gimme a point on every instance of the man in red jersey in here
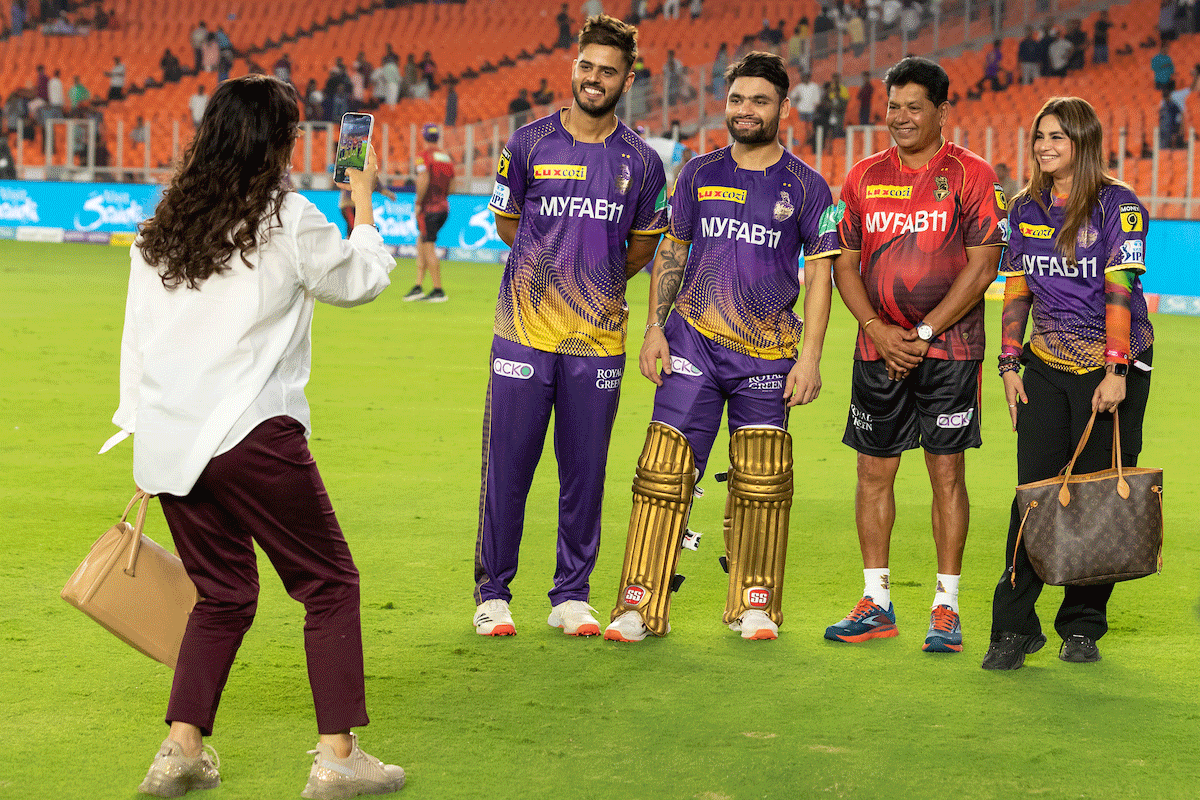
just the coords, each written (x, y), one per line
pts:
(922, 229)
(435, 171)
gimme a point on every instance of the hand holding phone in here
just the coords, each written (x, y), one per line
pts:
(353, 141)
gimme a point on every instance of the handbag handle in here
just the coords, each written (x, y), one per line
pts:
(136, 544)
(1064, 494)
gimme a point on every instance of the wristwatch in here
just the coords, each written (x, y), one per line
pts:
(1119, 368)
(924, 331)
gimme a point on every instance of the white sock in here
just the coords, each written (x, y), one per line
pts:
(947, 591)
(877, 586)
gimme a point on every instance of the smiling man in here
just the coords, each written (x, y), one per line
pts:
(740, 218)
(581, 200)
(921, 235)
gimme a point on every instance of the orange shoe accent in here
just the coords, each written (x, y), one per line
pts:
(615, 636)
(501, 630)
(585, 630)
(763, 633)
(955, 647)
(882, 632)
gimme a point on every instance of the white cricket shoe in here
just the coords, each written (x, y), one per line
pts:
(332, 778)
(755, 624)
(492, 618)
(629, 627)
(575, 618)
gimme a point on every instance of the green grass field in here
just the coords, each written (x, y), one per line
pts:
(397, 396)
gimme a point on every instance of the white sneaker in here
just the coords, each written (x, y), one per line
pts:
(755, 624)
(358, 773)
(172, 774)
(629, 627)
(575, 618)
(492, 618)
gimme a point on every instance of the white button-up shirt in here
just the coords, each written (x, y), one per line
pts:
(201, 368)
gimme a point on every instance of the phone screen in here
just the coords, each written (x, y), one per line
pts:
(353, 141)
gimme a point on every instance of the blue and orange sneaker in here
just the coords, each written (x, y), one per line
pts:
(945, 631)
(868, 620)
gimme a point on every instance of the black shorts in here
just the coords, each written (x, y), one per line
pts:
(430, 224)
(936, 407)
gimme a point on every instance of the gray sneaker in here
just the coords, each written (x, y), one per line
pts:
(358, 773)
(435, 296)
(172, 774)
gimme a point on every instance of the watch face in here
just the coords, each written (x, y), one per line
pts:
(925, 332)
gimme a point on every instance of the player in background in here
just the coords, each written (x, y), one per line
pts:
(346, 203)
(435, 171)
(581, 200)
(671, 150)
(922, 232)
(740, 217)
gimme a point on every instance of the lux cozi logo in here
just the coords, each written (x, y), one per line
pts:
(564, 172)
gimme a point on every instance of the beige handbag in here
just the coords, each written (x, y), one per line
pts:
(134, 588)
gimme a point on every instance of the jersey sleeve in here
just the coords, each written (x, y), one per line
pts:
(650, 217)
(1010, 264)
(1125, 224)
(818, 222)
(683, 206)
(508, 193)
(983, 207)
(849, 227)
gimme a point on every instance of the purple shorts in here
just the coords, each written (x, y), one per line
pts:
(704, 376)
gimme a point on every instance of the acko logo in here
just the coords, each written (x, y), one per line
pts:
(609, 378)
(890, 192)
(512, 369)
(684, 366)
(959, 419)
(758, 597)
(634, 595)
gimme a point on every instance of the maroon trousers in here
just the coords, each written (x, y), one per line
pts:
(266, 490)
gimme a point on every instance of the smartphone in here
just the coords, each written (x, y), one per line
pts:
(353, 141)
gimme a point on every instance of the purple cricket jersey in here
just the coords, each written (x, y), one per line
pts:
(1068, 299)
(563, 289)
(746, 229)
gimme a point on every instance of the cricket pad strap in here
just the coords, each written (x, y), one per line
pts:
(756, 520)
(662, 501)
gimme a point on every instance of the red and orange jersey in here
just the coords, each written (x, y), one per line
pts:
(440, 167)
(913, 229)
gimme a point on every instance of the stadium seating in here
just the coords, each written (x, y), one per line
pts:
(464, 36)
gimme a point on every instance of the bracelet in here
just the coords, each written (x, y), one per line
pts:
(1009, 363)
(653, 325)
(868, 322)
(1116, 355)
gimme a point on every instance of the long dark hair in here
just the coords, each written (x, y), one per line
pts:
(229, 181)
(1081, 125)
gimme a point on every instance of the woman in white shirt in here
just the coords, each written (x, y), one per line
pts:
(214, 359)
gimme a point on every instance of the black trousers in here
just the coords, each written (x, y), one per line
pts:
(1048, 430)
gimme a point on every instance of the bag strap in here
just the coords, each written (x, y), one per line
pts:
(1064, 494)
(1122, 484)
(136, 545)
(1013, 572)
(1162, 525)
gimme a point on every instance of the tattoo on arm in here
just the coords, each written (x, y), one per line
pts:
(674, 259)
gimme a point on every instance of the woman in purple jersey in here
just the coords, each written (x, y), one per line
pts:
(1077, 246)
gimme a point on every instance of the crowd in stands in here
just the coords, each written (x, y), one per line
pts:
(826, 107)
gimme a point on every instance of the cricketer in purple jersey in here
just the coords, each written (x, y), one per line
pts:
(563, 288)
(559, 339)
(738, 335)
(746, 229)
(1068, 312)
